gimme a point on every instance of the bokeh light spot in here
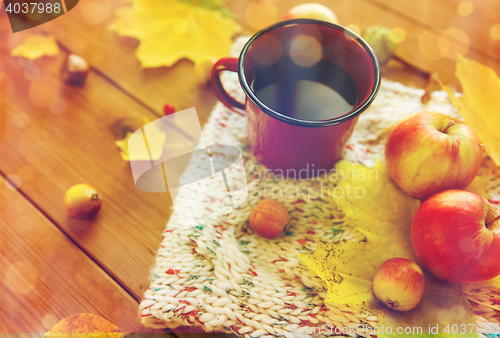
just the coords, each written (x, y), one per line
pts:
(34, 15)
(43, 91)
(48, 321)
(261, 13)
(466, 244)
(14, 40)
(354, 28)
(32, 73)
(465, 8)
(21, 277)
(458, 311)
(14, 181)
(305, 51)
(58, 106)
(21, 120)
(269, 50)
(453, 41)
(95, 12)
(444, 316)
(24, 62)
(397, 34)
(495, 31)
(428, 43)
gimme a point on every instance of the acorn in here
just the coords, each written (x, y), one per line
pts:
(82, 201)
(75, 70)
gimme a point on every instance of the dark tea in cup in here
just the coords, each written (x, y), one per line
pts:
(320, 92)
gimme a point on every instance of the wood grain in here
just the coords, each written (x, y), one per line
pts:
(116, 59)
(52, 152)
(48, 152)
(46, 276)
(443, 15)
(366, 13)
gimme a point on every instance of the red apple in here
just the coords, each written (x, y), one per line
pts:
(399, 284)
(456, 236)
(430, 152)
(311, 11)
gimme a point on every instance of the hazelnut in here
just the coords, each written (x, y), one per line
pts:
(269, 218)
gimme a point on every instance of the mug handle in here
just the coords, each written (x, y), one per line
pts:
(230, 64)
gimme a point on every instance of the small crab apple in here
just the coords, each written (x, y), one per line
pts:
(311, 11)
(269, 218)
(399, 284)
(82, 201)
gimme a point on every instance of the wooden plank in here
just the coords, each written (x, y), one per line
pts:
(51, 152)
(365, 14)
(154, 85)
(46, 277)
(114, 56)
(49, 142)
(444, 15)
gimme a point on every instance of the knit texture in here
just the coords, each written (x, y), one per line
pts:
(220, 276)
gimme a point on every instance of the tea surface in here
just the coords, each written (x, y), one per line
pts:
(320, 92)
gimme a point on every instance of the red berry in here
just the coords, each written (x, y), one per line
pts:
(168, 109)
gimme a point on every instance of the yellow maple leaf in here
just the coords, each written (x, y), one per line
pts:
(480, 103)
(155, 148)
(84, 325)
(383, 215)
(170, 30)
(36, 46)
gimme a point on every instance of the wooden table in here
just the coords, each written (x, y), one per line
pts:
(53, 266)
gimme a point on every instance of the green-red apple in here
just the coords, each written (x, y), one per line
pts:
(311, 11)
(456, 236)
(430, 152)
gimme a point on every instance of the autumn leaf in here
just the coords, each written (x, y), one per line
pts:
(347, 268)
(383, 215)
(444, 307)
(36, 46)
(155, 150)
(84, 325)
(480, 103)
(169, 30)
